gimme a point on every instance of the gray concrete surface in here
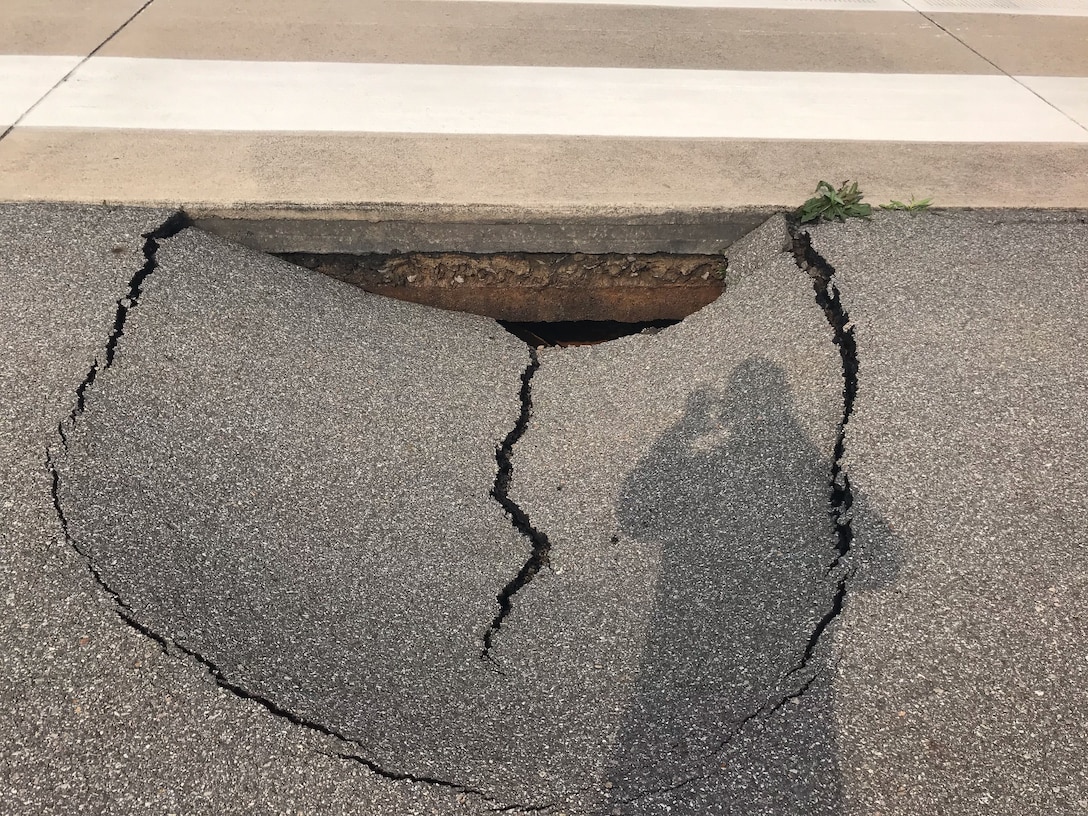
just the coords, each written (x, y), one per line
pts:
(480, 229)
(265, 581)
(233, 170)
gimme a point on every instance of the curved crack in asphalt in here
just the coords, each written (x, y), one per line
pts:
(841, 499)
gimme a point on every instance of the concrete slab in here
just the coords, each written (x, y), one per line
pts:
(25, 80)
(224, 172)
(960, 684)
(518, 33)
(1070, 94)
(42, 27)
(1002, 8)
(639, 103)
(325, 149)
(482, 229)
(1014, 42)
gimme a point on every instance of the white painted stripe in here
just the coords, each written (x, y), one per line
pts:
(1068, 94)
(26, 79)
(114, 92)
(1069, 8)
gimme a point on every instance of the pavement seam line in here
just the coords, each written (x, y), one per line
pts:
(500, 492)
(984, 58)
(78, 65)
(840, 501)
(169, 647)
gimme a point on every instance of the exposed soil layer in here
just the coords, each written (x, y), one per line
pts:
(536, 287)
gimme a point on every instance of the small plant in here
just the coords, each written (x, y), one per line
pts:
(835, 205)
(909, 206)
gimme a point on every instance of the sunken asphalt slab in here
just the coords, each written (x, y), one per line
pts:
(257, 526)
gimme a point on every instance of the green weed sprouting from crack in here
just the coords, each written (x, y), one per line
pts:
(909, 206)
(830, 204)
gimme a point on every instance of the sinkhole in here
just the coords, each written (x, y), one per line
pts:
(544, 298)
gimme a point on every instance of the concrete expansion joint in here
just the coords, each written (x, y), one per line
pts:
(500, 492)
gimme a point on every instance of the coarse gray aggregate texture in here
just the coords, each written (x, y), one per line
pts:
(290, 478)
(961, 686)
(683, 481)
(94, 717)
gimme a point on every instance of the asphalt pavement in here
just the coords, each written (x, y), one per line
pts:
(97, 716)
(961, 685)
(277, 545)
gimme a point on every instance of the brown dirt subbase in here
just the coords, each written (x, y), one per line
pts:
(541, 287)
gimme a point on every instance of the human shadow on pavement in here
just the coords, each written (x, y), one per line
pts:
(736, 497)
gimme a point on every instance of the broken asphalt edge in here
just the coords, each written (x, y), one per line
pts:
(797, 680)
(388, 227)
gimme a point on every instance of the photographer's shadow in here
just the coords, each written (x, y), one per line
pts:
(736, 496)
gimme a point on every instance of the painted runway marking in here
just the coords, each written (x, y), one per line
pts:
(1064, 8)
(1068, 94)
(212, 95)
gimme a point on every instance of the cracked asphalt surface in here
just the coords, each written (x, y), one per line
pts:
(683, 481)
(256, 569)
